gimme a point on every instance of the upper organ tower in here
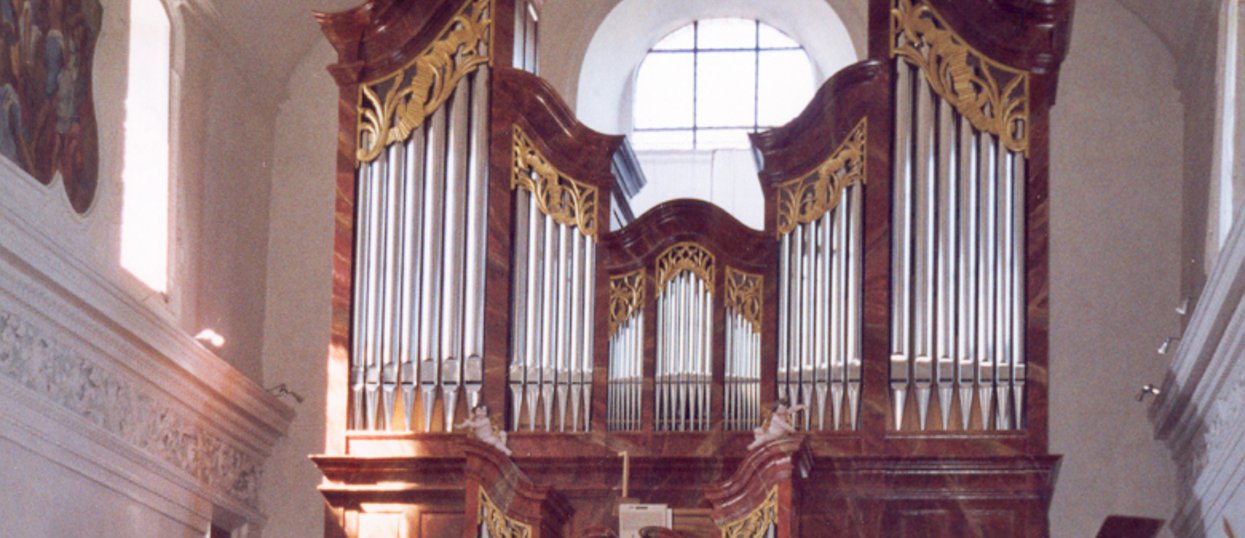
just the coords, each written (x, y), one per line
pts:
(898, 292)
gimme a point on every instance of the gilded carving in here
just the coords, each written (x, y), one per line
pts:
(626, 297)
(743, 295)
(992, 96)
(758, 522)
(498, 525)
(685, 256)
(117, 404)
(415, 91)
(568, 201)
(806, 198)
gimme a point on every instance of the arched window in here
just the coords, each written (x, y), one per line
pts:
(145, 177)
(708, 84)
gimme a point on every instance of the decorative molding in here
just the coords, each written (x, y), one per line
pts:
(1200, 413)
(744, 295)
(806, 198)
(758, 522)
(498, 525)
(568, 201)
(626, 297)
(994, 97)
(124, 408)
(685, 256)
(420, 87)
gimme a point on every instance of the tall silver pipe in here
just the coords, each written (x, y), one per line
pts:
(986, 271)
(948, 184)
(563, 348)
(1002, 362)
(824, 321)
(855, 288)
(706, 358)
(412, 205)
(455, 251)
(536, 266)
(806, 322)
(375, 287)
(1018, 290)
(784, 314)
(548, 301)
(968, 289)
(433, 229)
(901, 242)
(575, 323)
(923, 266)
(519, 332)
(589, 300)
(391, 341)
(358, 360)
(663, 350)
(477, 239)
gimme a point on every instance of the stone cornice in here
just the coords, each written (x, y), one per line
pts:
(72, 338)
(1200, 414)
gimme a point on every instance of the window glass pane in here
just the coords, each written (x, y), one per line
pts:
(661, 140)
(722, 139)
(663, 96)
(785, 84)
(726, 89)
(682, 39)
(770, 37)
(727, 34)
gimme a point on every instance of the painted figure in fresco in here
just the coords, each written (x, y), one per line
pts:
(47, 118)
(482, 428)
(778, 425)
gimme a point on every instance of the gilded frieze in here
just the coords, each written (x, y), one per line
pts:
(806, 198)
(568, 201)
(993, 97)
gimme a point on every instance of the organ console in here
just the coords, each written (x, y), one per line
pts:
(897, 292)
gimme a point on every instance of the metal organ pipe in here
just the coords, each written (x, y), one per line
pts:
(477, 247)
(433, 227)
(901, 243)
(412, 205)
(454, 252)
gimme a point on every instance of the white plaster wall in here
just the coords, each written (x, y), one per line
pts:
(35, 486)
(1115, 200)
(299, 285)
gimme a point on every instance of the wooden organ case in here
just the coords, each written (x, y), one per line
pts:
(898, 292)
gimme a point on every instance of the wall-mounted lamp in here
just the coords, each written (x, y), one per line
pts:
(211, 338)
(1147, 389)
(280, 390)
(1167, 344)
(1183, 307)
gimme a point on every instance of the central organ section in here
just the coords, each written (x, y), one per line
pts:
(895, 297)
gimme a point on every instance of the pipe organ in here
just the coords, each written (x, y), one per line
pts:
(895, 300)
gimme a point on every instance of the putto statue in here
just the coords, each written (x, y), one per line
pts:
(482, 428)
(778, 425)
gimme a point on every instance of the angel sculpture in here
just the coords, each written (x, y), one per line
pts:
(482, 428)
(778, 425)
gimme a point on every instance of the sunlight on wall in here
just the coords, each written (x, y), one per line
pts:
(145, 203)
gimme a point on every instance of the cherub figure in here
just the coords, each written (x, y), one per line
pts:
(482, 428)
(778, 424)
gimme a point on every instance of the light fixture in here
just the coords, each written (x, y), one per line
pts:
(1183, 307)
(211, 338)
(1147, 389)
(1167, 343)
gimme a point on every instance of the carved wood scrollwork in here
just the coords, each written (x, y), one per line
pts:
(806, 198)
(685, 256)
(626, 297)
(567, 200)
(994, 97)
(498, 525)
(743, 295)
(757, 523)
(415, 91)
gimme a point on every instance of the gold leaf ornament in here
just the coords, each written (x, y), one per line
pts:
(994, 97)
(393, 106)
(568, 201)
(806, 198)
